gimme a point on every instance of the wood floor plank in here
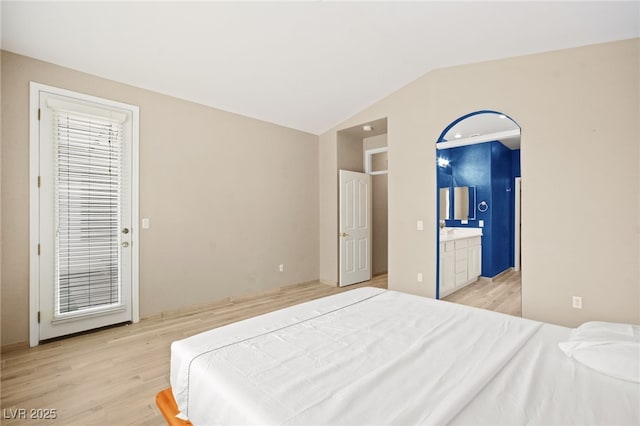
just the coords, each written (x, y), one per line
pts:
(503, 294)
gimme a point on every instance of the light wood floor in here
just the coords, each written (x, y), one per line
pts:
(110, 377)
(503, 294)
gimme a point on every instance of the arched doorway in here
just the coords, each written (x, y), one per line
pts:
(478, 181)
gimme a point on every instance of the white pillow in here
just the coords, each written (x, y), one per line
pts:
(610, 348)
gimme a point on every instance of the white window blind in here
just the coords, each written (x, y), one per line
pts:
(88, 195)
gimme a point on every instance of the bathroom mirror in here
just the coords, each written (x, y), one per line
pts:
(461, 203)
(445, 204)
(464, 202)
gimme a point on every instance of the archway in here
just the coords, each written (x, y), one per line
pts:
(478, 171)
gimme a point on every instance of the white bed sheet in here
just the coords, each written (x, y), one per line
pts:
(367, 356)
(543, 386)
(183, 351)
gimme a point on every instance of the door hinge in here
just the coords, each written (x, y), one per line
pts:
(38, 114)
(39, 181)
(38, 249)
(38, 317)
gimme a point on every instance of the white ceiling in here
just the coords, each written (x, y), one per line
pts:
(482, 126)
(305, 65)
(377, 127)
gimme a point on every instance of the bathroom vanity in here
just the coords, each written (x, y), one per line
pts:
(460, 258)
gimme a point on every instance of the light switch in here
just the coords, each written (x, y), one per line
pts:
(420, 225)
(145, 223)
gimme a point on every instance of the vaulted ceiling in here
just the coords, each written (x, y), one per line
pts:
(304, 65)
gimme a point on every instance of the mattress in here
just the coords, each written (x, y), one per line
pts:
(373, 356)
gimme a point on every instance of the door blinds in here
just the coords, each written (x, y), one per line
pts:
(88, 194)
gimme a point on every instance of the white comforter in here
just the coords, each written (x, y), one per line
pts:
(543, 386)
(367, 356)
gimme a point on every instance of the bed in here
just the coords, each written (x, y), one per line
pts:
(374, 356)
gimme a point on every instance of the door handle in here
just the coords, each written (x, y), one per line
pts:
(125, 244)
(125, 231)
(344, 234)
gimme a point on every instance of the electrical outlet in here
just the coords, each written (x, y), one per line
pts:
(481, 223)
(420, 225)
(145, 223)
(576, 302)
(281, 267)
(419, 277)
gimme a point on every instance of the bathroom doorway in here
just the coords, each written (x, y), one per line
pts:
(478, 239)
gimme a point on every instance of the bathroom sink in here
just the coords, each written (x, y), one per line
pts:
(447, 234)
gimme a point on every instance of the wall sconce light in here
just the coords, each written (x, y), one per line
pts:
(443, 162)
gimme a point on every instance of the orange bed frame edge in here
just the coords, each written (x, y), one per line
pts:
(169, 409)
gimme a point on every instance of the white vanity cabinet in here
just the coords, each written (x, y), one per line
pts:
(447, 267)
(475, 258)
(460, 258)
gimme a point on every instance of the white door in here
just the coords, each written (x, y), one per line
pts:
(86, 213)
(355, 227)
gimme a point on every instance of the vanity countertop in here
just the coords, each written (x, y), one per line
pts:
(451, 234)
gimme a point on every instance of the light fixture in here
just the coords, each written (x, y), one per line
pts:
(367, 127)
(443, 162)
(457, 136)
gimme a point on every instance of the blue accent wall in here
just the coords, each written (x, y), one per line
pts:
(445, 180)
(515, 163)
(500, 209)
(491, 168)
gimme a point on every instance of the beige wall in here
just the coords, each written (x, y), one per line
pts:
(328, 214)
(226, 207)
(350, 156)
(379, 205)
(229, 198)
(578, 109)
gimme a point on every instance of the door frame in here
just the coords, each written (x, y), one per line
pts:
(34, 201)
(517, 224)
